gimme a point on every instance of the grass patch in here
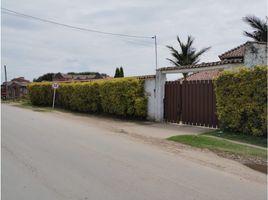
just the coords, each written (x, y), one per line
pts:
(239, 137)
(218, 144)
(27, 104)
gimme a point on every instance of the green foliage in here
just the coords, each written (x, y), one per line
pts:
(85, 97)
(83, 73)
(242, 100)
(45, 77)
(259, 27)
(40, 93)
(187, 54)
(220, 145)
(121, 70)
(239, 137)
(64, 95)
(117, 73)
(122, 96)
(88, 73)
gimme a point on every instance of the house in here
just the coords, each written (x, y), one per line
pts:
(16, 88)
(78, 77)
(247, 54)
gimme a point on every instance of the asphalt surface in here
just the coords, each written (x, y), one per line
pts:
(46, 157)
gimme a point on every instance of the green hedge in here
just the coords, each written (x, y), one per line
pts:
(40, 93)
(121, 96)
(242, 100)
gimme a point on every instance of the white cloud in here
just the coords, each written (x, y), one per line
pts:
(30, 48)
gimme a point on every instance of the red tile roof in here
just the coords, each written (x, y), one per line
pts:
(20, 79)
(237, 52)
(204, 75)
(203, 65)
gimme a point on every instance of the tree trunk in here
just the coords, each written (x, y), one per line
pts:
(184, 76)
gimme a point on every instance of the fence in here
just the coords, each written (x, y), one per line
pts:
(190, 102)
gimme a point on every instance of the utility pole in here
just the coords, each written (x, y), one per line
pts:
(6, 81)
(155, 48)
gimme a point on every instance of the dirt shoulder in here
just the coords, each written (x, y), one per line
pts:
(143, 131)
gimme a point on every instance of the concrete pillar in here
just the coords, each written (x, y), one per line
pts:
(159, 95)
(255, 54)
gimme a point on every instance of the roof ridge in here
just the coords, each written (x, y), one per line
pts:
(208, 64)
(233, 49)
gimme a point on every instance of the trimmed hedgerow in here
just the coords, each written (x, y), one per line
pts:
(64, 95)
(84, 97)
(40, 94)
(242, 100)
(122, 96)
(126, 95)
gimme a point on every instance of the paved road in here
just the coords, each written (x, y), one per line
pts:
(49, 157)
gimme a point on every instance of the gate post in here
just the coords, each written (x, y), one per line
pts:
(159, 95)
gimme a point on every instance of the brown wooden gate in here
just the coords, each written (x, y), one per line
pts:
(173, 101)
(190, 102)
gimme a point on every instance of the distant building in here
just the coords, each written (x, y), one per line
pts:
(16, 88)
(79, 77)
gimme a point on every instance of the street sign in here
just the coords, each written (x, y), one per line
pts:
(55, 85)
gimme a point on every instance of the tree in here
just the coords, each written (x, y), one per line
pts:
(117, 73)
(45, 77)
(83, 73)
(187, 54)
(259, 28)
(121, 72)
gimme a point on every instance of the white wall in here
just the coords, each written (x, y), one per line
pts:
(255, 54)
(174, 77)
(149, 87)
(160, 94)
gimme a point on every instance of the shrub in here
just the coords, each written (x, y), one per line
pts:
(40, 94)
(84, 97)
(119, 97)
(241, 100)
(64, 95)
(122, 96)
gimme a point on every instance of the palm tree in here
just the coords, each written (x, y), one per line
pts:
(187, 55)
(259, 28)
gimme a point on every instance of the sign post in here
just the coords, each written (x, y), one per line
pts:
(55, 86)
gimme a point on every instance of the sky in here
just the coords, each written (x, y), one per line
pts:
(31, 48)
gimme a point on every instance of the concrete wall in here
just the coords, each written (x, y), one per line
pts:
(255, 54)
(155, 91)
(160, 94)
(149, 87)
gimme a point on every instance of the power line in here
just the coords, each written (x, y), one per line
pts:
(18, 14)
(126, 39)
(129, 38)
(124, 36)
